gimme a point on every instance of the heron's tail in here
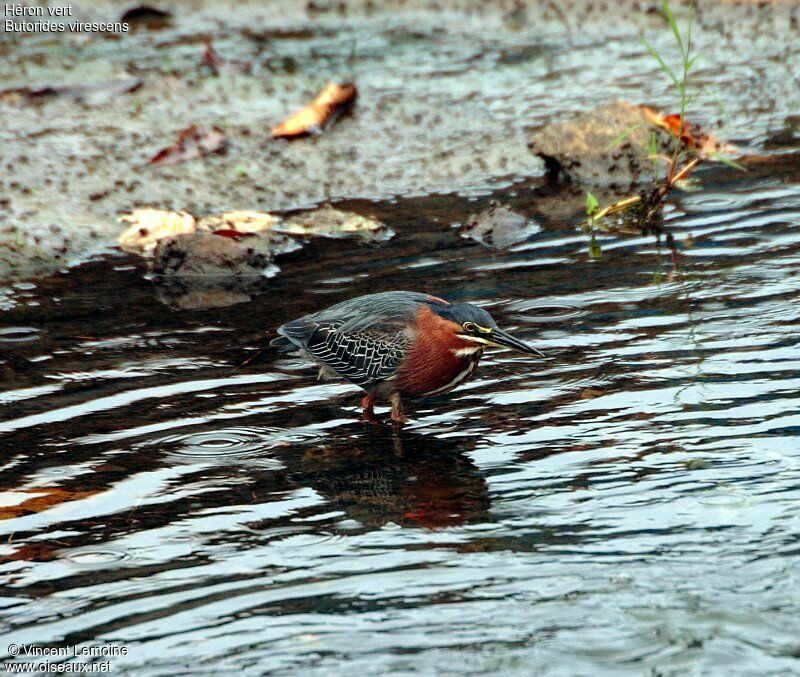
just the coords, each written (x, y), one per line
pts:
(286, 345)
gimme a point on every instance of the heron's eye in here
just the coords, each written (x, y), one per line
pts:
(469, 327)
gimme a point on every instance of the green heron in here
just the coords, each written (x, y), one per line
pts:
(397, 344)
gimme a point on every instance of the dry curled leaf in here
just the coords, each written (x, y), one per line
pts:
(13, 94)
(235, 234)
(692, 136)
(194, 142)
(239, 221)
(148, 226)
(329, 104)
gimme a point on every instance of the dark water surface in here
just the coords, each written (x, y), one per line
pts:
(627, 505)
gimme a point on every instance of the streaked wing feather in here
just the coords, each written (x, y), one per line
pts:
(361, 357)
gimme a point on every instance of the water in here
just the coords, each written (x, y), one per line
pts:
(627, 505)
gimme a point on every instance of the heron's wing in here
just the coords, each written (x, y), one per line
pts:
(364, 339)
(363, 357)
(364, 313)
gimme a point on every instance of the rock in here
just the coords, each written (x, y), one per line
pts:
(584, 147)
(698, 464)
(215, 269)
(209, 255)
(329, 222)
(148, 226)
(498, 226)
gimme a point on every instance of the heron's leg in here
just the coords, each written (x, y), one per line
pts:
(367, 404)
(397, 409)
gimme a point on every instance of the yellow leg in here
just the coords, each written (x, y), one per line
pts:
(397, 409)
(367, 404)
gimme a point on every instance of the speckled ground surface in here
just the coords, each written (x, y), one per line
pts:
(449, 94)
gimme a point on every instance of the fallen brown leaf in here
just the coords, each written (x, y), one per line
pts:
(216, 63)
(691, 135)
(30, 552)
(327, 106)
(194, 142)
(46, 498)
(233, 234)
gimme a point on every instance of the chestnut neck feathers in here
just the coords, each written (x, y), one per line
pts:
(437, 357)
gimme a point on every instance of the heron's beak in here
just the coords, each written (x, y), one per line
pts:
(502, 338)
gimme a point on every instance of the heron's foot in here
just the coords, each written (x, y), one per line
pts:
(368, 405)
(371, 420)
(398, 417)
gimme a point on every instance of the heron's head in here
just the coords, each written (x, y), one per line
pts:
(478, 326)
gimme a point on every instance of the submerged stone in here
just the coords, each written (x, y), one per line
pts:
(498, 226)
(330, 222)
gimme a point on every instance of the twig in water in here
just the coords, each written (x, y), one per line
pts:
(247, 361)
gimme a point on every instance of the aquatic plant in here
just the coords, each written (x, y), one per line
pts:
(689, 148)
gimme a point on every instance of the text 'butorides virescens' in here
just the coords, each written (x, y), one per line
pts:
(397, 344)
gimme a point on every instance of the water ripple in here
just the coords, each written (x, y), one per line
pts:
(18, 334)
(95, 557)
(228, 442)
(628, 504)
